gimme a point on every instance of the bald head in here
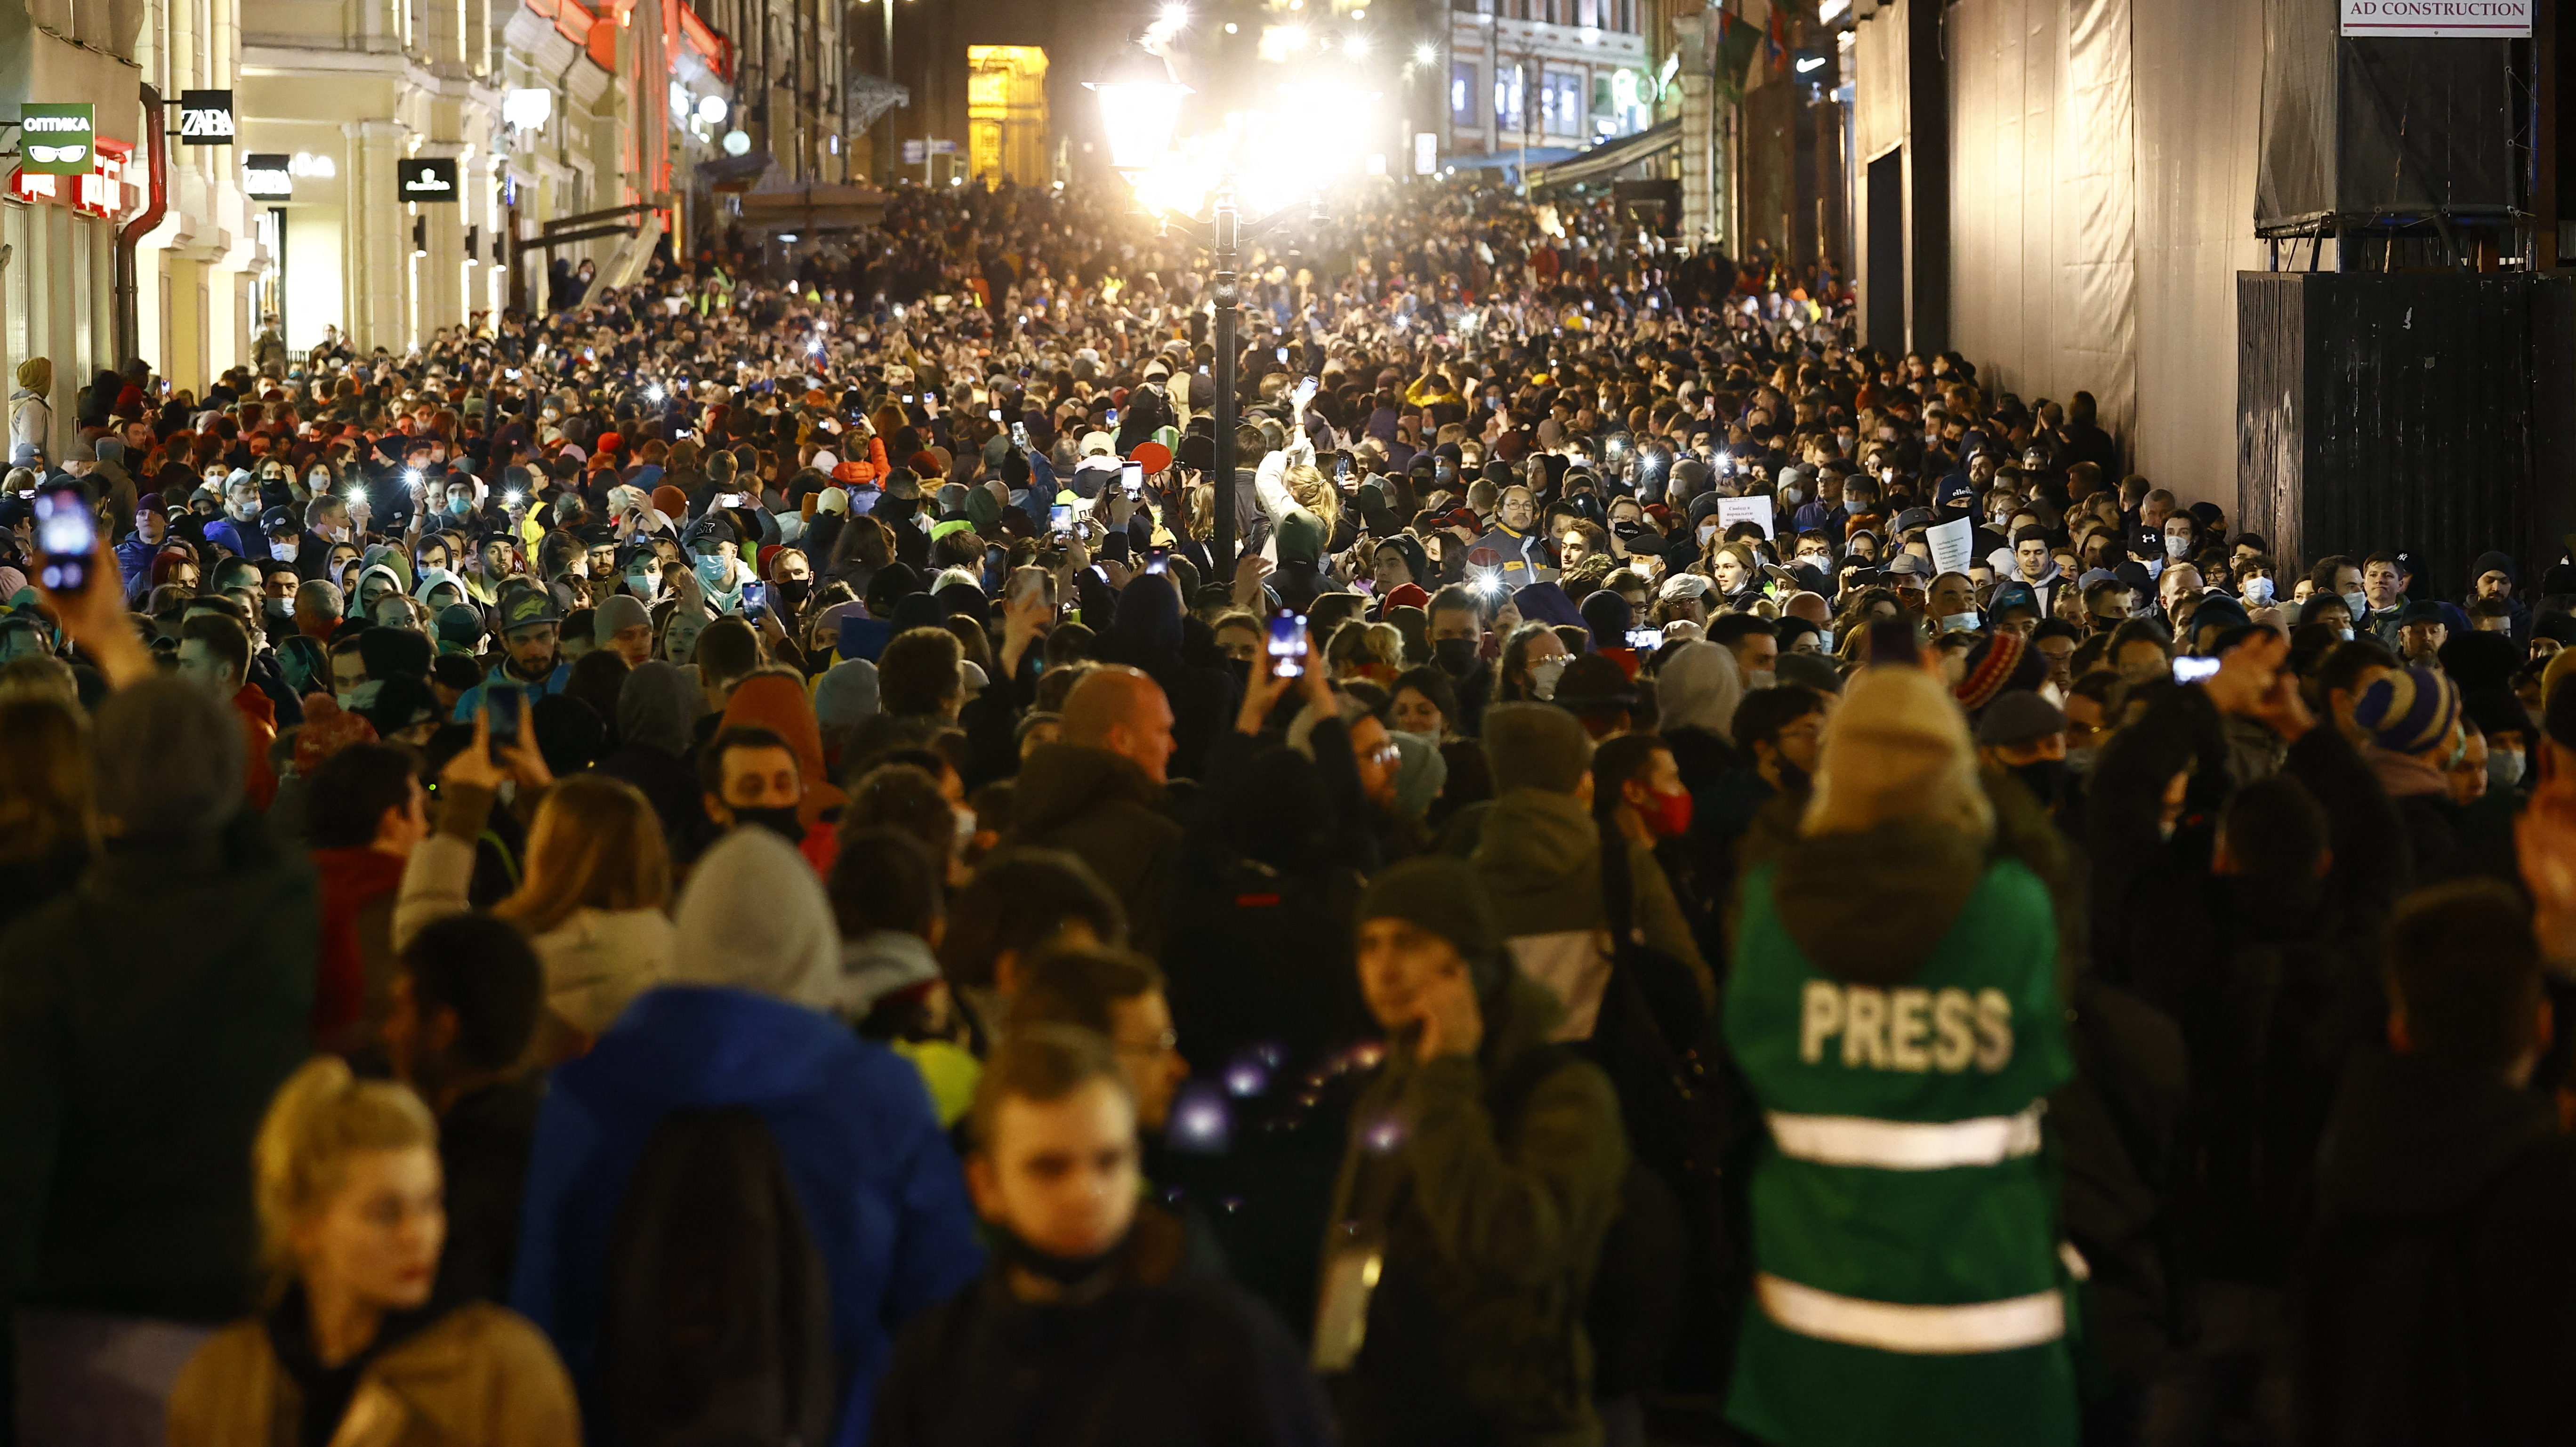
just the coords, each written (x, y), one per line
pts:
(1120, 710)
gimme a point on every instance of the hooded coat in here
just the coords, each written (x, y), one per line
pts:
(1540, 858)
(657, 712)
(1101, 807)
(1491, 1182)
(881, 1191)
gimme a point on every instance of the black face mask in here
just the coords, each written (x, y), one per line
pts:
(781, 822)
(1455, 656)
(795, 590)
(2046, 779)
(1060, 1270)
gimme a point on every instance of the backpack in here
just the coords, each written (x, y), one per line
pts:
(717, 1328)
(1682, 1204)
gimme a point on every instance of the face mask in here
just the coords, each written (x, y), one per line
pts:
(781, 822)
(712, 571)
(1791, 497)
(2344, 633)
(643, 582)
(2079, 760)
(460, 505)
(1667, 815)
(1761, 678)
(1824, 640)
(2045, 778)
(2176, 546)
(360, 698)
(1707, 532)
(795, 590)
(2358, 604)
(1959, 622)
(2258, 591)
(279, 608)
(2504, 768)
(284, 552)
(1455, 656)
(1543, 677)
(241, 512)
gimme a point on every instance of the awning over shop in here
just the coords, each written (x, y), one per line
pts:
(813, 208)
(1505, 160)
(1607, 159)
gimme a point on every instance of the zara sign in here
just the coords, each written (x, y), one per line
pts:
(205, 118)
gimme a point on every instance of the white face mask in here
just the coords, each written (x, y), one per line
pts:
(1543, 677)
(283, 551)
(2176, 545)
(1824, 640)
(1761, 678)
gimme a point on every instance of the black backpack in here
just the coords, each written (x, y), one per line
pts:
(717, 1330)
(1675, 1269)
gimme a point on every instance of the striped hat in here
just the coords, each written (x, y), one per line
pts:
(2409, 710)
(2004, 661)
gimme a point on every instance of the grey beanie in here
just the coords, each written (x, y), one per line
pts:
(1535, 746)
(847, 695)
(754, 917)
(169, 759)
(615, 614)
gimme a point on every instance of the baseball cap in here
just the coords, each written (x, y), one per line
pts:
(528, 608)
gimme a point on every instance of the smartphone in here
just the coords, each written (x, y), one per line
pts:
(729, 499)
(1113, 416)
(1060, 519)
(1342, 474)
(995, 414)
(1020, 435)
(2188, 669)
(1643, 639)
(755, 599)
(66, 535)
(1288, 646)
(503, 704)
(1158, 561)
(1283, 354)
(1131, 476)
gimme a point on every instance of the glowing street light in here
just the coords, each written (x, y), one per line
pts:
(1139, 105)
(1425, 53)
(1355, 45)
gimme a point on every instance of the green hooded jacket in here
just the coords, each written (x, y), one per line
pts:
(1489, 1183)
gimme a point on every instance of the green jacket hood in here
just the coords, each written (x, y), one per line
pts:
(1869, 907)
(1062, 782)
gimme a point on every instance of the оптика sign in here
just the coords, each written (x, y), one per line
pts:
(426, 179)
(55, 139)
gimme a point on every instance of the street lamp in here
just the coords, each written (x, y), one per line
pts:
(1139, 106)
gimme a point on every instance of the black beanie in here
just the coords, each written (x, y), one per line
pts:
(1444, 896)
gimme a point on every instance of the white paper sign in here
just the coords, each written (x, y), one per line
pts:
(1756, 509)
(2439, 19)
(1951, 542)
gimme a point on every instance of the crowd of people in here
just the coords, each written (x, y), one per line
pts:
(775, 857)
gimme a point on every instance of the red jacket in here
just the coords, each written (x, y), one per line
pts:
(352, 880)
(259, 730)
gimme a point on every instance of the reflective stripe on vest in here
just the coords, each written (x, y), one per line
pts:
(1985, 1326)
(1897, 1145)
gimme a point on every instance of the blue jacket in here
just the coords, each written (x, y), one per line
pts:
(134, 559)
(881, 1189)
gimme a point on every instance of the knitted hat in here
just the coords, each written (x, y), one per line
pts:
(669, 501)
(614, 615)
(1444, 897)
(172, 759)
(1535, 746)
(326, 731)
(2005, 660)
(1897, 748)
(2408, 710)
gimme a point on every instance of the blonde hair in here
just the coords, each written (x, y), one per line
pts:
(1314, 493)
(597, 845)
(319, 1118)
